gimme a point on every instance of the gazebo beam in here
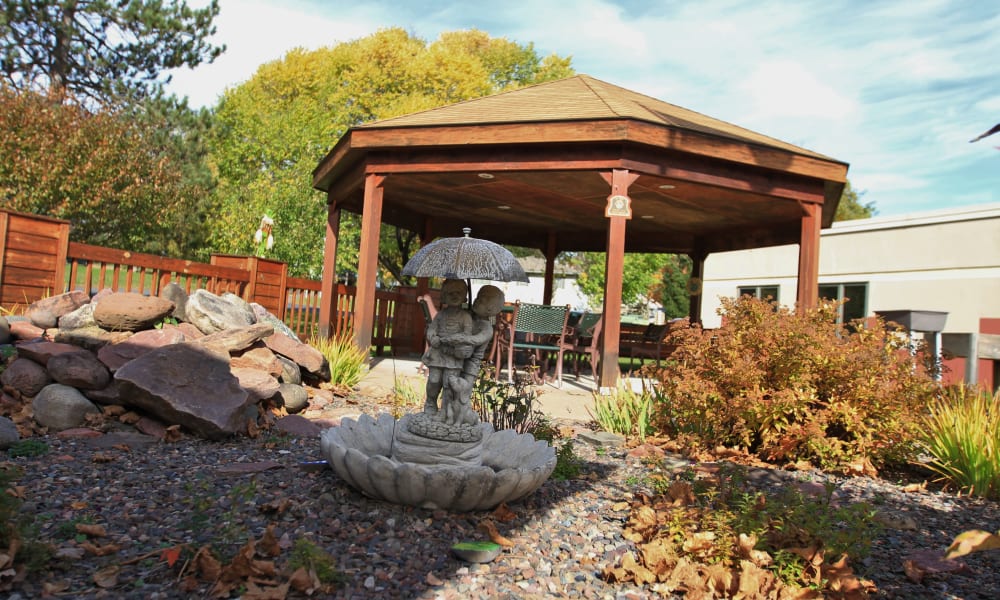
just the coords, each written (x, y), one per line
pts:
(328, 294)
(371, 223)
(808, 282)
(619, 179)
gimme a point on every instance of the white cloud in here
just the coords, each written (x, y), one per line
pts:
(785, 88)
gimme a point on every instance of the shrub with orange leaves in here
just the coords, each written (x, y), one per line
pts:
(792, 387)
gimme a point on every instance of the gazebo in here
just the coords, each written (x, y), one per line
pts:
(576, 164)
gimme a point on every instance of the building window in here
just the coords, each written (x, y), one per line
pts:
(855, 294)
(760, 291)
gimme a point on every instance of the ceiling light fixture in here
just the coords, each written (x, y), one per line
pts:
(647, 217)
(667, 186)
(503, 207)
(486, 175)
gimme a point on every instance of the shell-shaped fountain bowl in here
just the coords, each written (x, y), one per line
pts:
(361, 452)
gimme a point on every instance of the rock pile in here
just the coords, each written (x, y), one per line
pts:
(212, 365)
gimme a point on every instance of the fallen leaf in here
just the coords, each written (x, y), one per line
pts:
(432, 579)
(50, 588)
(102, 457)
(487, 526)
(279, 506)
(699, 542)
(268, 544)
(640, 574)
(114, 410)
(915, 487)
(107, 577)
(99, 550)
(170, 555)
(206, 565)
(129, 418)
(503, 513)
(973, 541)
(305, 582)
(78, 505)
(122, 447)
(255, 592)
(172, 434)
(91, 530)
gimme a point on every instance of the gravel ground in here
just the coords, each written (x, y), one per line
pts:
(153, 496)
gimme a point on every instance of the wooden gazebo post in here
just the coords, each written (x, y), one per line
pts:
(371, 224)
(618, 210)
(808, 283)
(550, 268)
(328, 287)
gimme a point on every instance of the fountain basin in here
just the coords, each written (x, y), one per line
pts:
(509, 466)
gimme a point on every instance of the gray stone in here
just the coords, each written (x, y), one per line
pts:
(304, 355)
(81, 317)
(290, 371)
(295, 398)
(91, 338)
(5, 336)
(8, 433)
(601, 439)
(107, 396)
(263, 316)
(176, 294)
(81, 370)
(259, 357)
(259, 384)
(45, 312)
(236, 339)
(23, 329)
(188, 385)
(115, 355)
(43, 317)
(211, 313)
(60, 407)
(126, 311)
(42, 350)
(26, 376)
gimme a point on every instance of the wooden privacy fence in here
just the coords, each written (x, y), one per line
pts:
(38, 260)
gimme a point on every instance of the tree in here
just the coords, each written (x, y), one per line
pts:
(106, 172)
(101, 49)
(272, 130)
(850, 206)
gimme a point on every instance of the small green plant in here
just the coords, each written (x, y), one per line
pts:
(568, 464)
(624, 411)
(962, 436)
(28, 448)
(165, 321)
(506, 405)
(348, 363)
(307, 555)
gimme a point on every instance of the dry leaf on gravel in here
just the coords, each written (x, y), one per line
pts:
(172, 434)
(107, 577)
(99, 550)
(268, 545)
(90, 529)
(305, 582)
(102, 457)
(489, 528)
(504, 514)
(973, 541)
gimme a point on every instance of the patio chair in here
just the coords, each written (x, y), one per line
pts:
(650, 344)
(543, 329)
(584, 340)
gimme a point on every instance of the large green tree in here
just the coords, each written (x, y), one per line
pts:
(101, 49)
(272, 130)
(850, 206)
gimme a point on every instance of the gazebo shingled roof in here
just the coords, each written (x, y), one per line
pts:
(536, 166)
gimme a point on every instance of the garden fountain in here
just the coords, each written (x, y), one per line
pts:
(443, 457)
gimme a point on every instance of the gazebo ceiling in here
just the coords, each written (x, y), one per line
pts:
(521, 166)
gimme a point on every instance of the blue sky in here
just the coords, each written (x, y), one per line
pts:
(896, 88)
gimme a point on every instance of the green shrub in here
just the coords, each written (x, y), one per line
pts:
(405, 396)
(623, 411)
(568, 464)
(506, 405)
(794, 387)
(348, 363)
(961, 433)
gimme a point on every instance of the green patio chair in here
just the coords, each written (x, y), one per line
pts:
(544, 332)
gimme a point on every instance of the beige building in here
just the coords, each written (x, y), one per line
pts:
(946, 261)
